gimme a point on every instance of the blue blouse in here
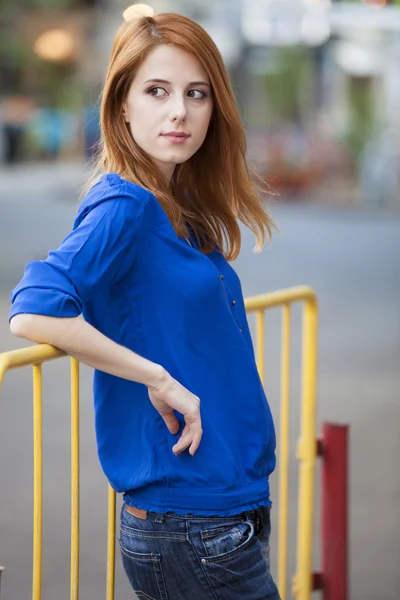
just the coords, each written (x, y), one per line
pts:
(136, 281)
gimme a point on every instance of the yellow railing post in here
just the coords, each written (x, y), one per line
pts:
(74, 575)
(260, 345)
(307, 453)
(34, 356)
(37, 482)
(111, 545)
(284, 454)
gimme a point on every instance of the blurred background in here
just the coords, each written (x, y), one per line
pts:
(317, 83)
(318, 88)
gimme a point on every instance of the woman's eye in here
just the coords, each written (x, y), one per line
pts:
(196, 94)
(157, 92)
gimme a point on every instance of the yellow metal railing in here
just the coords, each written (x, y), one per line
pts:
(35, 356)
(307, 447)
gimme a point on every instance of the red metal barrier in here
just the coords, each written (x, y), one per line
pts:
(334, 515)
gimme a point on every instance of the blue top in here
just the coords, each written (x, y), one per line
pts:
(136, 281)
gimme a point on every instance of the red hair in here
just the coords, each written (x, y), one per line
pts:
(216, 178)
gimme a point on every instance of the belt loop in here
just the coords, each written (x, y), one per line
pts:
(160, 518)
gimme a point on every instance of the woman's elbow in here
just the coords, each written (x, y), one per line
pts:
(42, 329)
(20, 325)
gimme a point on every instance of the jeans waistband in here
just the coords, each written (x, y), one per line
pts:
(249, 515)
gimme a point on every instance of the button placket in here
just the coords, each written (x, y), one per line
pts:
(232, 302)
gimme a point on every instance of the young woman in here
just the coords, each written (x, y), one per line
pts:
(183, 427)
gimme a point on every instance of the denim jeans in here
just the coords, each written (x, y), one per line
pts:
(186, 557)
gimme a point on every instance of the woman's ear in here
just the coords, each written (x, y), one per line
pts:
(125, 114)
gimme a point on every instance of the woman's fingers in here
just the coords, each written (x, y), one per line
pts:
(171, 422)
(184, 441)
(197, 435)
(190, 438)
(194, 424)
(175, 397)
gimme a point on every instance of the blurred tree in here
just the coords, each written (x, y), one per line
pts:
(21, 71)
(287, 83)
(361, 114)
(40, 101)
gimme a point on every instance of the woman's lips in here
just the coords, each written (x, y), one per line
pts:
(176, 138)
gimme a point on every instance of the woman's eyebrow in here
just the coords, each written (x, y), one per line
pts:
(165, 81)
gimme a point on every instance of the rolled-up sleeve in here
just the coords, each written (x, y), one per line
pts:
(98, 252)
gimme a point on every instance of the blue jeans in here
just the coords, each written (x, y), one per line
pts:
(186, 557)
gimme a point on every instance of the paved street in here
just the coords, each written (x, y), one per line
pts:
(350, 257)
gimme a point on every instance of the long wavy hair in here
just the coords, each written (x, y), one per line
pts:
(211, 191)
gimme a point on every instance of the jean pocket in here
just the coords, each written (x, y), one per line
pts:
(224, 542)
(143, 569)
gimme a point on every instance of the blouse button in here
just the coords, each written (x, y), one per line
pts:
(222, 277)
(233, 302)
(241, 330)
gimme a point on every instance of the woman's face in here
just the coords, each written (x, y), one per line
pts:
(169, 106)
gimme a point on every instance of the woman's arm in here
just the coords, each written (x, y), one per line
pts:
(85, 343)
(82, 341)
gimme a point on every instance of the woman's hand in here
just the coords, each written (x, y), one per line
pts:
(170, 395)
(88, 345)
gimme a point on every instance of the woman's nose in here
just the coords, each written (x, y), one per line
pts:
(178, 111)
